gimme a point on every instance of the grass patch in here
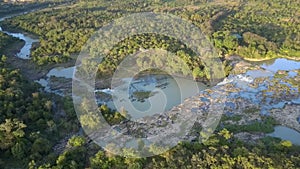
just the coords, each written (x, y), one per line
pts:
(265, 126)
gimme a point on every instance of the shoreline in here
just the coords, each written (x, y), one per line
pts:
(14, 48)
(32, 71)
(27, 67)
(267, 59)
(21, 31)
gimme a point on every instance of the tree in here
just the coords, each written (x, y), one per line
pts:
(225, 133)
(10, 131)
(41, 146)
(18, 150)
(72, 158)
(198, 73)
(76, 141)
(90, 120)
(100, 161)
(286, 143)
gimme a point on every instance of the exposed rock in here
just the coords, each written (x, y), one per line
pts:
(249, 137)
(238, 95)
(288, 116)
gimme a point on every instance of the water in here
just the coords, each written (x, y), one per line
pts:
(296, 101)
(259, 73)
(282, 132)
(286, 133)
(42, 82)
(25, 51)
(292, 74)
(255, 94)
(237, 79)
(62, 72)
(163, 95)
(169, 91)
(56, 72)
(282, 64)
(107, 91)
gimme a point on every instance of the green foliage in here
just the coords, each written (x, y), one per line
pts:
(113, 117)
(234, 118)
(8, 8)
(225, 41)
(5, 42)
(268, 29)
(230, 154)
(197, 73)
(28, 129)
(63, 33)
(19, 150)
(76, 141)
(90, 120)
(152, 41)
(225, 133)
(10, 132)
(72, 158)
(100, 161)
(32, 124)
(266, 125)
(41, 146)
(286, 143)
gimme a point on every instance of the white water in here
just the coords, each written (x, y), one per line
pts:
(164, 96)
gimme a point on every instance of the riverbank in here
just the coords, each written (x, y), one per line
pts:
(28, 68)
(22, 47)
(22, 8)
(251, 102)
(21, 31)
(266, 59)
(14, 48)
(244, 99)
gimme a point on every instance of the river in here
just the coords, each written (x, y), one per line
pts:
(25, 50)
(149, 95)
(170, 87)
(286, 133)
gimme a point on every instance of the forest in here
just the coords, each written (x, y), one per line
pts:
(33, 123)
(12, 8)
(269, 30)
(6, 41)
(40, 130)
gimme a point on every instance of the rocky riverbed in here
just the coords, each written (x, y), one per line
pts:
(248, 96)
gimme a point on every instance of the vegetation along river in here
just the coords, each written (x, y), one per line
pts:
(142, 96)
